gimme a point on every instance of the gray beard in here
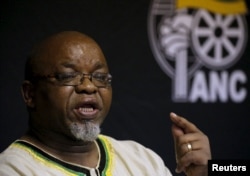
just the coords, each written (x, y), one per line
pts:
(87, 131)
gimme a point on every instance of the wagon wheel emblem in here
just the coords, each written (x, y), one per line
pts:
(218, 40)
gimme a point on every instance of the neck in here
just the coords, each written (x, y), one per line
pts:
(60, 142)
(65, 148)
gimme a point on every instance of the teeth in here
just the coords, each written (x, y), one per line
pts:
(86, 109)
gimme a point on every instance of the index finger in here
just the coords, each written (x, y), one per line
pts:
(183, 123)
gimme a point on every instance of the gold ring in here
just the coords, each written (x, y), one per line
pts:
(189, 147)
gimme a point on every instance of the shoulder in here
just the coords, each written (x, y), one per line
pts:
(135, 156)
(129, 146)
(12, 153)
(11, 160)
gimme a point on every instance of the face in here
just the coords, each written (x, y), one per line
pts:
(74, 111)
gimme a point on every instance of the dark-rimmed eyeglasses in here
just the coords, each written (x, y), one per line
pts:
(77, 78)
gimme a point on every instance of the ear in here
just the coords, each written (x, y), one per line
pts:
(28, 93)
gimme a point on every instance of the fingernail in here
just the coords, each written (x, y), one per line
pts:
(173, 114)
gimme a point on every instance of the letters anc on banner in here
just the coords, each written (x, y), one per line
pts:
(195, 42)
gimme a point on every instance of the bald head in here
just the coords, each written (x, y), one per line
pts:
(59, 46)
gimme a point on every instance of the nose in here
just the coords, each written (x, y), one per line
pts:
(86, 85)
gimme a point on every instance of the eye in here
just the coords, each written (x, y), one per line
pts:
(103, 77)
(65, 76)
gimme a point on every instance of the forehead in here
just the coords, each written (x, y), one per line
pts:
(79, 54)
(71, 52)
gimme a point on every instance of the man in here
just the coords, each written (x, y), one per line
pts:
(67, 90)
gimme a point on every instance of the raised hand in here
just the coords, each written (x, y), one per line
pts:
(192, 147)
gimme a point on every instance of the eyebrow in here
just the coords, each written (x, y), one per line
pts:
(68, 64)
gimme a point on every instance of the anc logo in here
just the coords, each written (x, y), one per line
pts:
(188, 35)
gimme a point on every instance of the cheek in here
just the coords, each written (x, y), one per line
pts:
(53, 101)
(106, 96)
(51, 107)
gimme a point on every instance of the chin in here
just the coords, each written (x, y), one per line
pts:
(88, 131)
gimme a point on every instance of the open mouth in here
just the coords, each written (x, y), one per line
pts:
(86, 110)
